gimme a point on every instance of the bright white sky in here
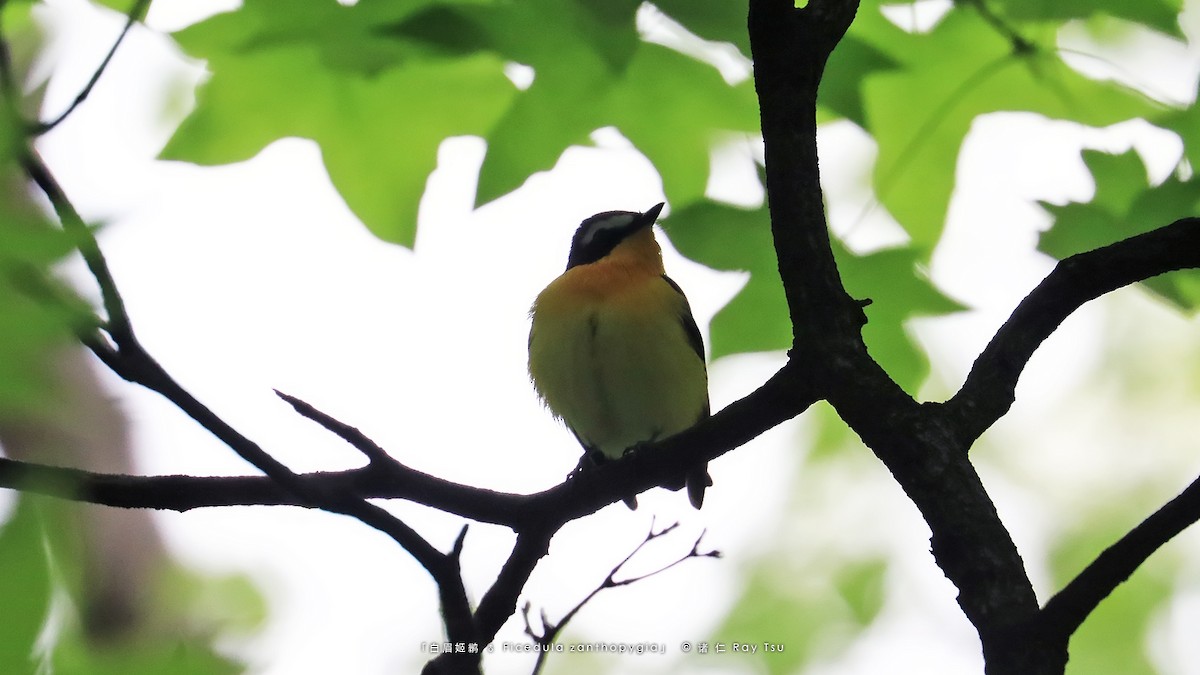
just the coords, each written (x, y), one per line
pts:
(256, 276)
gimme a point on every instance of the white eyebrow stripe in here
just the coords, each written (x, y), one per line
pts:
(616, 221)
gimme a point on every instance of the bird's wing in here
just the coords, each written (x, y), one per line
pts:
(689, 322)
(690, 329)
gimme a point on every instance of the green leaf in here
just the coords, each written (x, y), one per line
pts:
(861, 586)
(1186, 123)
(43, 557)
(124, 6)
(852, 61)
(1125, 205)
(728, 238)
(801, 610)
(379, 85)
(920, 112)
(25, 587)
(230, 602)
(668, 105)
(717, 20)
(671, 107)
(1160, 15)
(899, 289)
(73, 657)
(178, 623)
(379, 106)
(544, 121)
(37, 313)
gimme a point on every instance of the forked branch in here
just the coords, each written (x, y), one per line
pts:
(549, 631)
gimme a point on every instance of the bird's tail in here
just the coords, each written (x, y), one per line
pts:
(697, 480)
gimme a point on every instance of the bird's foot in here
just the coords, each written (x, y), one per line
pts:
(636, 448)
(590, 460)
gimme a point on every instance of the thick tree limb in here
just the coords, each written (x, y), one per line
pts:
(990, 387)
(790, 48)
(969, 542)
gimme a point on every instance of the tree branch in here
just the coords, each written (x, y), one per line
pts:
(117, 323)
(550, 631)
(782, 397)
(135, 13)
(790, 47)
(126, 357)
(990, 387)
(356, 438)
(1064, 612)
(500, 601)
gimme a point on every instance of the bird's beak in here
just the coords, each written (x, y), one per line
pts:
(651, 215)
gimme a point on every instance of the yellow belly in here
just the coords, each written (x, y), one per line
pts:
(617, 367)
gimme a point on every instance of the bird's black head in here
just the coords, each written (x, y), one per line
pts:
(599, 235)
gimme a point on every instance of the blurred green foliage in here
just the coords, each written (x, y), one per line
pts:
(805, 609)
(42, 586)
(42, 550)
(35, 311)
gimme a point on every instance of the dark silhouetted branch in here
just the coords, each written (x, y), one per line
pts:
(782, 397)
(549, 631)
(990, 387)
(1064, 612)
(126, 357)
(790, 47)
(351, 435)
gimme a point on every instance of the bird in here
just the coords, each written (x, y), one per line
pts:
(614, 351)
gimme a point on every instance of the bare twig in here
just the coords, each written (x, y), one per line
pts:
(546, 635)
(117, 321)
(135, 14)
(356, 438)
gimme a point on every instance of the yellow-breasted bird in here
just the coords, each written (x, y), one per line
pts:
(614, 351)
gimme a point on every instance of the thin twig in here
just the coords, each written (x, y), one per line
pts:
(117, 324)
(136, 13)
(550, 631)
(356, 438)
